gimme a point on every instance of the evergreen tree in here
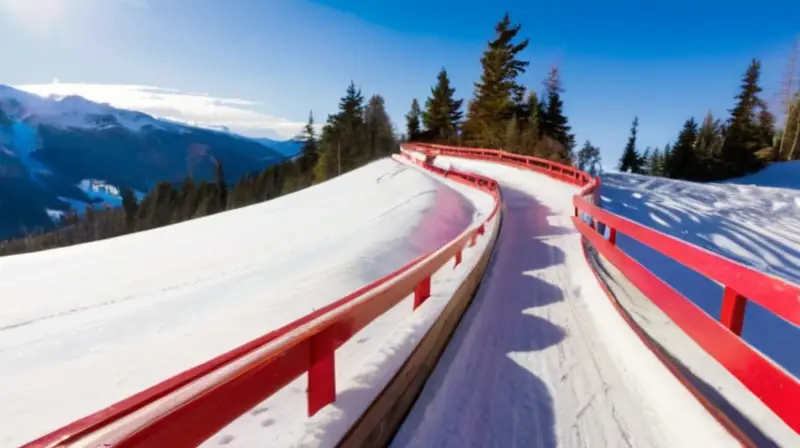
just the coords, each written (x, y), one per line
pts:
(493, 104)
(709, 138)
(647, 161)
(656, 164)
(222, 187)
(413, 121)
(744, 135)
(512, 138)
(530, 135)
(380, 135)
(631, 160)
(309, 152)
(442, 114)
(683, 161)
(552, 122)
(589, 159)
(130, 205)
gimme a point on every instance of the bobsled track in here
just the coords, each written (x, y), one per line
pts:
(530, 328)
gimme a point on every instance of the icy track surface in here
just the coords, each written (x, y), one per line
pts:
(85, 326)
(542, 358)
(755, 225)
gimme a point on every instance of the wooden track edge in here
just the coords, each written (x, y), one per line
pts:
(378, 425)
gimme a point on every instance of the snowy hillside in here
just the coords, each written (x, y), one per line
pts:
(49, 146)
(72, 344)
(756, 226)
(778, 175)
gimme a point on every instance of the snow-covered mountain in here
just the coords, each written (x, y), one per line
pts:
(54, 149)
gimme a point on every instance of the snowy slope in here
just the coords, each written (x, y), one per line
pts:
(756, 226)
(84, 326)
(777, 175)
(542, 358)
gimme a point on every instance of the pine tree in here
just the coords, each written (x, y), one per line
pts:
(656, 164)
(413, 121)
(492, 105)
(744, 136)
(347, 128)
(552, 122)
(589, 159)
(647, 159)
(512, 138)
(631, 160)
(442, 114)
(380, 135)
(683, 161)
(709, 138)
(130, 205)
(309, 152)
(222, 187)
(530, 135)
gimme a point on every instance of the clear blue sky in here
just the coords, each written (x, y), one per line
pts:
(618, 59)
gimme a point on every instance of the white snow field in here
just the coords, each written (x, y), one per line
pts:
(754, 225)
(85, 326)
(542, 358)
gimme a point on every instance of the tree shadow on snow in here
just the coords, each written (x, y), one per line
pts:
(479, 393)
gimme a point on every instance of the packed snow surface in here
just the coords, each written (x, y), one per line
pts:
(85, 326)
(753, 225)
(542, 358)
(777, 175)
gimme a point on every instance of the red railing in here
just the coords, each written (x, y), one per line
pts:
(191, 407)
(775, 387)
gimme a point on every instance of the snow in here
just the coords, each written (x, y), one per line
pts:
(777, 175)
(72, 111)
(542, 358)
(85, 326)
(364, 365)
(756, 226)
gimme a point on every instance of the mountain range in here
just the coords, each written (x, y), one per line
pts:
(58, 153)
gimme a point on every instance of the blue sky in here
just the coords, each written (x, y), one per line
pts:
(662, 62)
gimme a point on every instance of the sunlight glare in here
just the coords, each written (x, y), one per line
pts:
(38, 15)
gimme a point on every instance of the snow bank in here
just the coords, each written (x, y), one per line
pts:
(85, 326)
(777, 175)
(756, 226)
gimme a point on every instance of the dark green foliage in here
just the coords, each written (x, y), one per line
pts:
(684, 162)
(310, 151)
(413, 121)
(493, 104)
(745, 135)
(552, 122)
(589, 159)
(442, 115)
(631, 160)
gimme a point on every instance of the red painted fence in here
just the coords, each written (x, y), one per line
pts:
(191, 407)
(774, 386)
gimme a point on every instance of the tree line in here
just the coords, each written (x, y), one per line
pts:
(715, 149)
(357, 134)
(502, 112)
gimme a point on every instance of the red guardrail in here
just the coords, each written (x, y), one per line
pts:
(775, 387)
(191, 407)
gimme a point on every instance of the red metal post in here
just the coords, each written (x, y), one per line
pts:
(422, 292)
(732, 313)
(612, 236)
(321, 375)
(481, 230)
(458, 259)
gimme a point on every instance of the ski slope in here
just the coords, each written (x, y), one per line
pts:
(757, 226)
(542, 358)
(85, 326)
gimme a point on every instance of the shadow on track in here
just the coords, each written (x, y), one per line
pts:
(478, 394)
